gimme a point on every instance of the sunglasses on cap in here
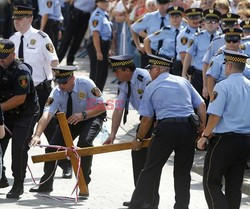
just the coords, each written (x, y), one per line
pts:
(232, 39)
(211, 21)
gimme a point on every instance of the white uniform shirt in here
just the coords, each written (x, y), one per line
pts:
(38, 52)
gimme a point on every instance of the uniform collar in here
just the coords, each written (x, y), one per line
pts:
(101, 11)
(28, 32)
(134, 77)
(235, 75)
(162, 76)
(159, 15)
(193, 30)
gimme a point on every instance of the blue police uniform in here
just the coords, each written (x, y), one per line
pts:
(150, 22)
(99, 22)
(78, 19)
(138, 83)
(84, 96)
(52, 8)
(168, 48)
(172, 99)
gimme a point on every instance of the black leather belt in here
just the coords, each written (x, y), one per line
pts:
(198, 71)
(81, 11)
(175, 120)
(232, 134)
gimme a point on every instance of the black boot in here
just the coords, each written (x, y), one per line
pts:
(16, 190)
(4, 181)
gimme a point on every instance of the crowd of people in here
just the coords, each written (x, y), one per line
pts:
(183, 65)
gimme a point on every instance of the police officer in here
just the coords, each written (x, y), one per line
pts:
(133, 82)
(83, 104)
(216, 69)
(245, 25)
(228, 20)
(21, 109)
(168, 49)
(228, 134)
(197, 47)
(193, 17)
(172, 99)
(151, 22)
(51, 19)
(99, 43)
(77, 24)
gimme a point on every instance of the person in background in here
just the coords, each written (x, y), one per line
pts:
(2, 134)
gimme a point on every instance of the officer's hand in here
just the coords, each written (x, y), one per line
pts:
(205, 93)
(109, 140)
(35, 141)
(141, 48)
(99, 56)
(136, 146)
(202, 143)
(75, 118)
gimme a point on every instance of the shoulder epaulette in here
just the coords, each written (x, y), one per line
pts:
(219, 52)
(245, 39)
(42, 34)
(187, 31)
(97, 13)
(140, 77)
(166, 28)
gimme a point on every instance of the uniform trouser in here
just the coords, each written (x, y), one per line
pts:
(168, 138)
(73, 34)
(87, 131)
(98, 69)
(22, 130)
(226, 157)
(52, 29)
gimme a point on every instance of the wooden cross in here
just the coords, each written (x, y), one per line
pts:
(60, 155)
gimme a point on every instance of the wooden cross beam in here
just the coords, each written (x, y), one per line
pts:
(60, 155)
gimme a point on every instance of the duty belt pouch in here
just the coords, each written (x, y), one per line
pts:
(190, 70)
(194, 120)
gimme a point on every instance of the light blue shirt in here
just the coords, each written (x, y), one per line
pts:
(169, 96)
(52, 8)
(150, 22)
(168, 35)
(99, 22)
(199, 47)
(184, 37)
(138, 83)
(232, 104)
(85, 5)
(83, 97)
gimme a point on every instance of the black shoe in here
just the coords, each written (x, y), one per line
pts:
(41, 189)
(126, 203)
(15, 192)
(83, 196)
(67, 172)
(4, 182)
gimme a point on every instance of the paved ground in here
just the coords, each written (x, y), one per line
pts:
(112, 181)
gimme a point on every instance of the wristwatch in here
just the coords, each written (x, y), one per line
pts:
(139, 140)
(203, 135)
(84, 115)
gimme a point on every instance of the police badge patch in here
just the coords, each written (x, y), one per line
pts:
(32, 41)
(49, 4)
(140, 91)
(184, 40)
(96, 92)
(23, 81)
(214, 96)
(95, 23)
(49, 102)
(50, 47)
(81, 95)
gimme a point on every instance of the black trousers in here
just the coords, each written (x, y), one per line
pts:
(226, 157)
(87, 131)
(52, 29)
(73, 34)
(98, 69)
(168, 138)
(22, 130)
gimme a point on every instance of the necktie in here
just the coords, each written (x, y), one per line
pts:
(69, 105)
(176, 34)
(20, 49)
(126, 104)
(211, 37)
(161, 41)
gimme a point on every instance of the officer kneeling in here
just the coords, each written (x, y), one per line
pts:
(228, 134)
(83, 104)
(172, 99)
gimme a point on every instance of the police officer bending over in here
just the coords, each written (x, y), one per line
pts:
(228, 128)
(173, 100)
(83, 104)
(20, 106)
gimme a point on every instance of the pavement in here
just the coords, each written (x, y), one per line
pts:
(112, 181)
